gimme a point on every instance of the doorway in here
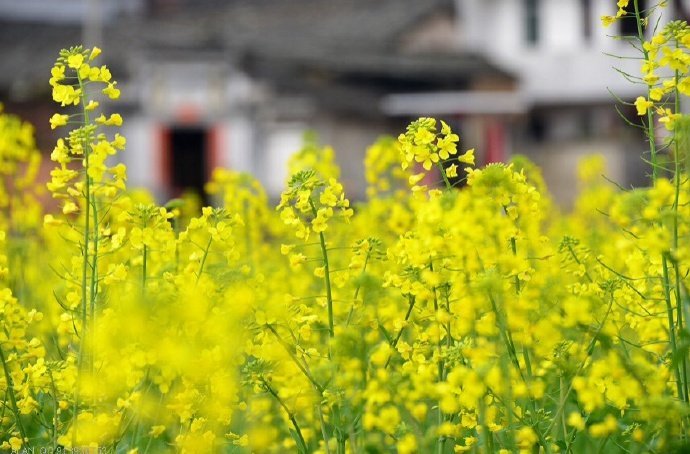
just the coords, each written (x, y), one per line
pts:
(188, 160)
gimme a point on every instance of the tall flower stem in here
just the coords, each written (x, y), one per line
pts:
(327, 281)
(12, 397)
(441, 443)
(676, 200)
(143, 269)
(444, 176)
(88, 287)
(203, 259)
(671, 325)
(302, 444)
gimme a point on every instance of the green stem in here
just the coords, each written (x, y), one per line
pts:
(300, 366)
(518, 289)
(676, 201)
(449, 335)
(56, 415)
(525, 351)
(577, 260)
(4, 403)
(603, 444)
(440, 446)
(393, 344)
(561, 403)
(324, 432)
(300, 439)
(143, 269)
(85, 300)
(327, 281)
(445, 177)
(359, 286)
(341, 444)
(679, 310)
(505, 335)
(94, 284)
(512, 351)
(203, 260)
(513, 247)
(487, 436)
(13, 399)
(590, 351)
(671, 324)
(523, 421)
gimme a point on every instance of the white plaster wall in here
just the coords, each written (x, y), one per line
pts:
(563, 66)
(284, 139)
(470, 18)
(238, 144)
(140, 154)
(501, 27)
(207, 94)
(174, 90)
(563, 28)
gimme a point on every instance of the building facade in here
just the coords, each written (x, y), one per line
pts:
(237, 83)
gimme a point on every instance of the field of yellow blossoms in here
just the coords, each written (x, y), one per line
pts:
(430, 319)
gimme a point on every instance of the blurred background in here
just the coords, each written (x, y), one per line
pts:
(237, 83)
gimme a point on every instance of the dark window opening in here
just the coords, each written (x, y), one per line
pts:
(682, 9)
(531, 21)
(537, 128)
(586, 9)
(188, 160)
(628, 23)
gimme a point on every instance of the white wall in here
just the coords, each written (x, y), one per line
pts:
(238, 134)
(176, 90)
(141, 154)
(65, 11)
(562, 30)
(563, 66)
(284, 139)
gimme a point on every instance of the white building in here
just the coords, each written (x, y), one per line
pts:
(236, 83)
(569, 72)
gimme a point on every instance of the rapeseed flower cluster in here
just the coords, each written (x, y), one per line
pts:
(422, 144)
(477, 319)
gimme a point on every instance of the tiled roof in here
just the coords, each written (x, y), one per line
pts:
(28, 52)
(350, 41)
